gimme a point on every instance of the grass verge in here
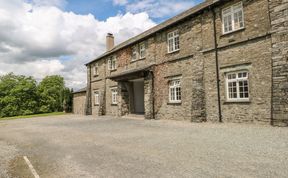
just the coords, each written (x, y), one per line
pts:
(34, 115)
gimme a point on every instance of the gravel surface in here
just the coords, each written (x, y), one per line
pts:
(7, 153)
(81, 146)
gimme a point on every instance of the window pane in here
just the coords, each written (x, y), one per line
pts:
(231, 76)
(232, 89)
(240, 75)
(238, 20)
(177, 46)
(170, 45)
(178, 94)
(172, 94)
(227, 23)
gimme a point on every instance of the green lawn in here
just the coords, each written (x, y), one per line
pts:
(34, 115)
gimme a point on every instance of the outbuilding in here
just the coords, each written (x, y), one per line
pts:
(79, 99)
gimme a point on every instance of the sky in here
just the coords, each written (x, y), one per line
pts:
(57, 37)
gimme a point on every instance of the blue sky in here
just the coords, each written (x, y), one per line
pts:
(103, 9)
(57, 37)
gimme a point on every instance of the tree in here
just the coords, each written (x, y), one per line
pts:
(51, 94)
(68, 100)
(18, 95)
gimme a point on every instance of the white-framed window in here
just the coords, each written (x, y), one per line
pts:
(233, 18)
(96, 70)
(237, 86)
(114, 93)
(173, 41)
(175, 91)
(112, 63)
(142, 51)
(96, 97)
(134, 54)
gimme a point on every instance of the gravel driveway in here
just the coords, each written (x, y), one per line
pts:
(80, 146)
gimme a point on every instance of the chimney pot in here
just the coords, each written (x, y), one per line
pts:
(109, 41)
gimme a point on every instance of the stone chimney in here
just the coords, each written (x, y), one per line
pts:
(109, 41)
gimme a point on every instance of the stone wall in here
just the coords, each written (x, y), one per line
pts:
(88, 102)
(248, 48)
(112, 109)
(279, 23)
(191, 108)
(79, 100)
(253, 56)
(149, 96)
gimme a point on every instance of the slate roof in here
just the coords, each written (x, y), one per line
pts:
(82, 90)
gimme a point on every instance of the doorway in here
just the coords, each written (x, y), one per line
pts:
(138, 90)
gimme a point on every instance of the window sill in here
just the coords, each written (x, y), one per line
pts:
(237, 102)
(235, 31)
(174, 103)
(172, 52)
(137, 60)
(114, 104)
(95, 75)
(96, 104)
(112, 70)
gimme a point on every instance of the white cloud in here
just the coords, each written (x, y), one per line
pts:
(120, 2)
(39, 69)
(158, 8)
(34, 39)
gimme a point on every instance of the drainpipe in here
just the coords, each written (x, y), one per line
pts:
(217, 66)
(153, 98)
(88, 92)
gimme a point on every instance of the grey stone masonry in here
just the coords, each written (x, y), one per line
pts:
(279, 29)
(148, 96)
(192, 82)
(88, 103)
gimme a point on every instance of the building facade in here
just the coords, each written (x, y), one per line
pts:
(219, 61)
(79, 100)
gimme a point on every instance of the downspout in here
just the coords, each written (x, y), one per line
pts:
(153, 98)
(272, 80)
(88, 92)
(217, 66)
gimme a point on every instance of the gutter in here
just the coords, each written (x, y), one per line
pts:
(217, 67)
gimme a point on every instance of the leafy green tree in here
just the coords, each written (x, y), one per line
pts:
(68, 100)
(51, 94)
(18, 95)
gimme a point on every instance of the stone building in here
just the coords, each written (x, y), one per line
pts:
(79, 100)
(218, 61)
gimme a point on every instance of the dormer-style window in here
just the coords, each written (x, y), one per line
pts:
(134, 54)
(173, 41)
(233, 18)
(142, 50)
(112, 63)
(96, 70)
